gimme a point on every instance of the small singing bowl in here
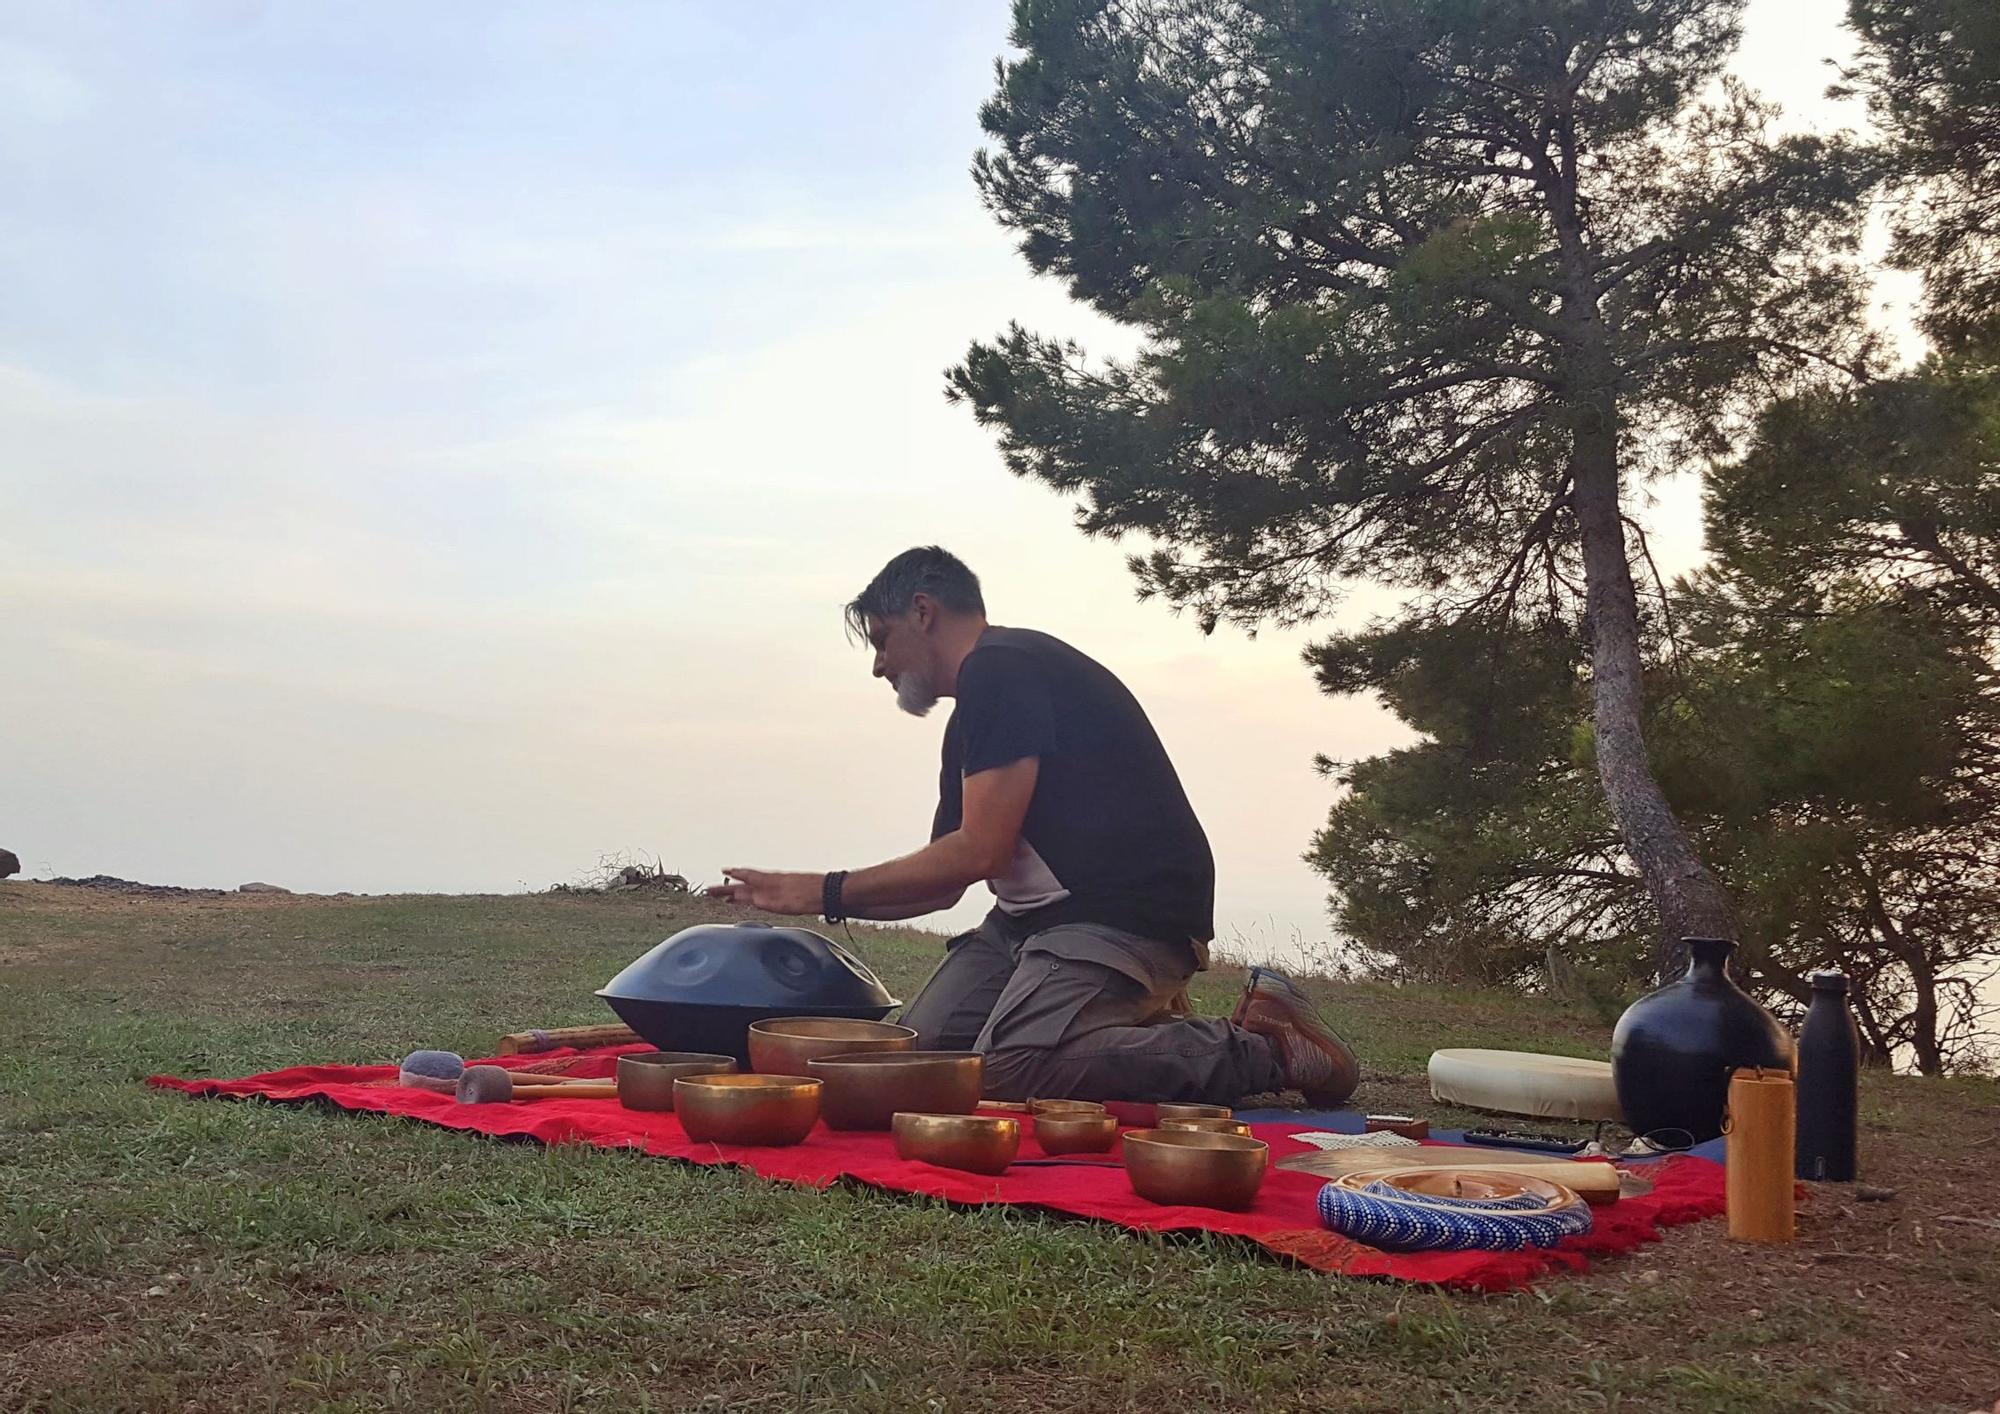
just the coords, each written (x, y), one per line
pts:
(1167, 1112)
(1060, 1132)
(646, 1081)
(1187, 1168)
(976, 1143)
(1208, 1126)
(784, 1045)
(746, 1109)
(865, 1091)
(1064, 1107)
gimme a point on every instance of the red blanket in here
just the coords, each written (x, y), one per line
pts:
(1284, 1219)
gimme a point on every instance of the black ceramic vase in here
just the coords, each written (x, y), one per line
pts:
(1674, 1049)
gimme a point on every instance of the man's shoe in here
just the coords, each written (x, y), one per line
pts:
(1316, 1062)
(1263, 982)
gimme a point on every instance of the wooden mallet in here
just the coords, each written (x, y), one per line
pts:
(494, 1085)
(439, 1071)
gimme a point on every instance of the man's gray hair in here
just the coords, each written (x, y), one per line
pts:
(928, 569)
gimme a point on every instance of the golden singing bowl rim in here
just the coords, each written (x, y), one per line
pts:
(1183, 1139)
(1038, 1108)
(1176, 1109)
(829, 1028)
(922, 1121)
(748, 1080)
(1083, 1119)
(1206, 1124)
(887, 1060)
(652, 1058)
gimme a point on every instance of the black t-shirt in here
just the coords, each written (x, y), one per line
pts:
(1109, 837)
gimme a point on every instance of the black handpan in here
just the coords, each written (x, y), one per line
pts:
(700, 989)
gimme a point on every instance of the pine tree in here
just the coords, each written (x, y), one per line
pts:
(1931, 71)
(1427, 290)
(1826, 719)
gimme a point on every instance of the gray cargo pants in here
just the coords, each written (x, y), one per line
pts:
(1080, 1011)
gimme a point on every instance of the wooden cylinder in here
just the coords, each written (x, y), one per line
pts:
(516, 1043)
(1761, 1125)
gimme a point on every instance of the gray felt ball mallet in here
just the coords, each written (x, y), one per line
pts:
(494, 1085)
(432, 1070)
(439, 1071)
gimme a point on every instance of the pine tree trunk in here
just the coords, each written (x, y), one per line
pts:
(1690, 899)
(1924, 1021)
(1925, 1042)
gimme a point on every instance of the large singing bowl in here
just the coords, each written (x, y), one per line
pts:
(865, 1090)
(702, 988)
(975, 1143)
(746, 1109)
(782, 1045)
(1183, 1167)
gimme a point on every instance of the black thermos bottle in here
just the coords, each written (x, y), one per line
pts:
(1829, 1080)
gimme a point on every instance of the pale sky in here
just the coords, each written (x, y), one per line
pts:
(436, 442)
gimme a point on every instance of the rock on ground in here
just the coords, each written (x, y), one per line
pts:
(10, 863)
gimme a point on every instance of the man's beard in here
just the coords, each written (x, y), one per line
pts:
(914, 693)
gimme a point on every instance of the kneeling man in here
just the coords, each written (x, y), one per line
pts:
(1056, 791)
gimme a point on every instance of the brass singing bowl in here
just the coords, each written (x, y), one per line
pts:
(1208, 1126)
(646, 1081)
(1060, 1132)
(976, 1143)
(864, 1091)
(746, 1109)
(1187, 1168)
(1064, 1107)
(1175, 1111)
(784, 1045)
(1468, 1185)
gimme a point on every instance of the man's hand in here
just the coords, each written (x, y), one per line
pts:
(770, 891)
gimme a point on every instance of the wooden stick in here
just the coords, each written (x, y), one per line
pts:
(574, 1090)
(536, 1080)
(516, 1043)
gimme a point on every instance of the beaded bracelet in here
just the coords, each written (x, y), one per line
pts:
(830, 905)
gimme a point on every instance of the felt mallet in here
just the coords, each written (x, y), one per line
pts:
(431, 1070)
(439, 1071)
(494, 1085)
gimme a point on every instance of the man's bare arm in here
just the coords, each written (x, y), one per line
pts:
(896, 912)
(982, 847)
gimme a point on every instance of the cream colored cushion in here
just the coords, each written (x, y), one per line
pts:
(1524, 1083)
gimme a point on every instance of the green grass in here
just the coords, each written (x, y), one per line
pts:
(163, 1253)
